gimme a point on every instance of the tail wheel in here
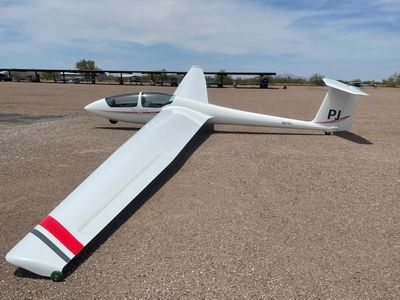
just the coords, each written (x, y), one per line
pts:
(328, 133)
(113, 121)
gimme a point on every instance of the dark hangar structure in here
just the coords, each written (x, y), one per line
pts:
(93, 75)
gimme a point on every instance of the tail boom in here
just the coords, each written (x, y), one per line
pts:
(224, 115)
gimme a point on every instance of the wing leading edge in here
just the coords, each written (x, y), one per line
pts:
(106, 192)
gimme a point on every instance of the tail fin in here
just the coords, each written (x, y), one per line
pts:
(336, 110)
(193, 85)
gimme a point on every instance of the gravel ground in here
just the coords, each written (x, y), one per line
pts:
(244, 212)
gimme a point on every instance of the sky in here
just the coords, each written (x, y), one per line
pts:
(338, 39)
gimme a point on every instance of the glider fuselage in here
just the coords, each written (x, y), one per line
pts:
(139, 108)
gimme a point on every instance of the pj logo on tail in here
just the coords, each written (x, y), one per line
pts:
(333, 113)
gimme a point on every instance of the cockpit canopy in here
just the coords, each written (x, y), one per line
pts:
(154, 100)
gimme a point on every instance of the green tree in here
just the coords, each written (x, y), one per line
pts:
(223, 78)
(316, 79)
(392, 81)
(49, 75)
(279, 79)
(86, 65)
(159, 78)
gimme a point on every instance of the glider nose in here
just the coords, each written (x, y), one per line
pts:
(96, 106)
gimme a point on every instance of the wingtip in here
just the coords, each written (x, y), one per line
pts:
(33, 255)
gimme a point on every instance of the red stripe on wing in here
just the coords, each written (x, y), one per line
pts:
(61, 234)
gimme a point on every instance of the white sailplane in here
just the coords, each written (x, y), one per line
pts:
(171, 122)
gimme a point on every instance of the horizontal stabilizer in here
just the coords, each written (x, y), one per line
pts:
(343, 87)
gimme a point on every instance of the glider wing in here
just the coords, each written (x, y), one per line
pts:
(107, 191)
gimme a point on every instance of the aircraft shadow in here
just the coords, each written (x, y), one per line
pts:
(119, 128)
(138, 201)
(257, 87)
(347, 135)
(266, 133)
(20, 272)
(352, 137)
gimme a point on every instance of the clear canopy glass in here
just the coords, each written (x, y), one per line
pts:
(154, 100)
(124, 100)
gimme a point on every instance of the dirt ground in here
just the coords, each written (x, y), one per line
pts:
(244, 211)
